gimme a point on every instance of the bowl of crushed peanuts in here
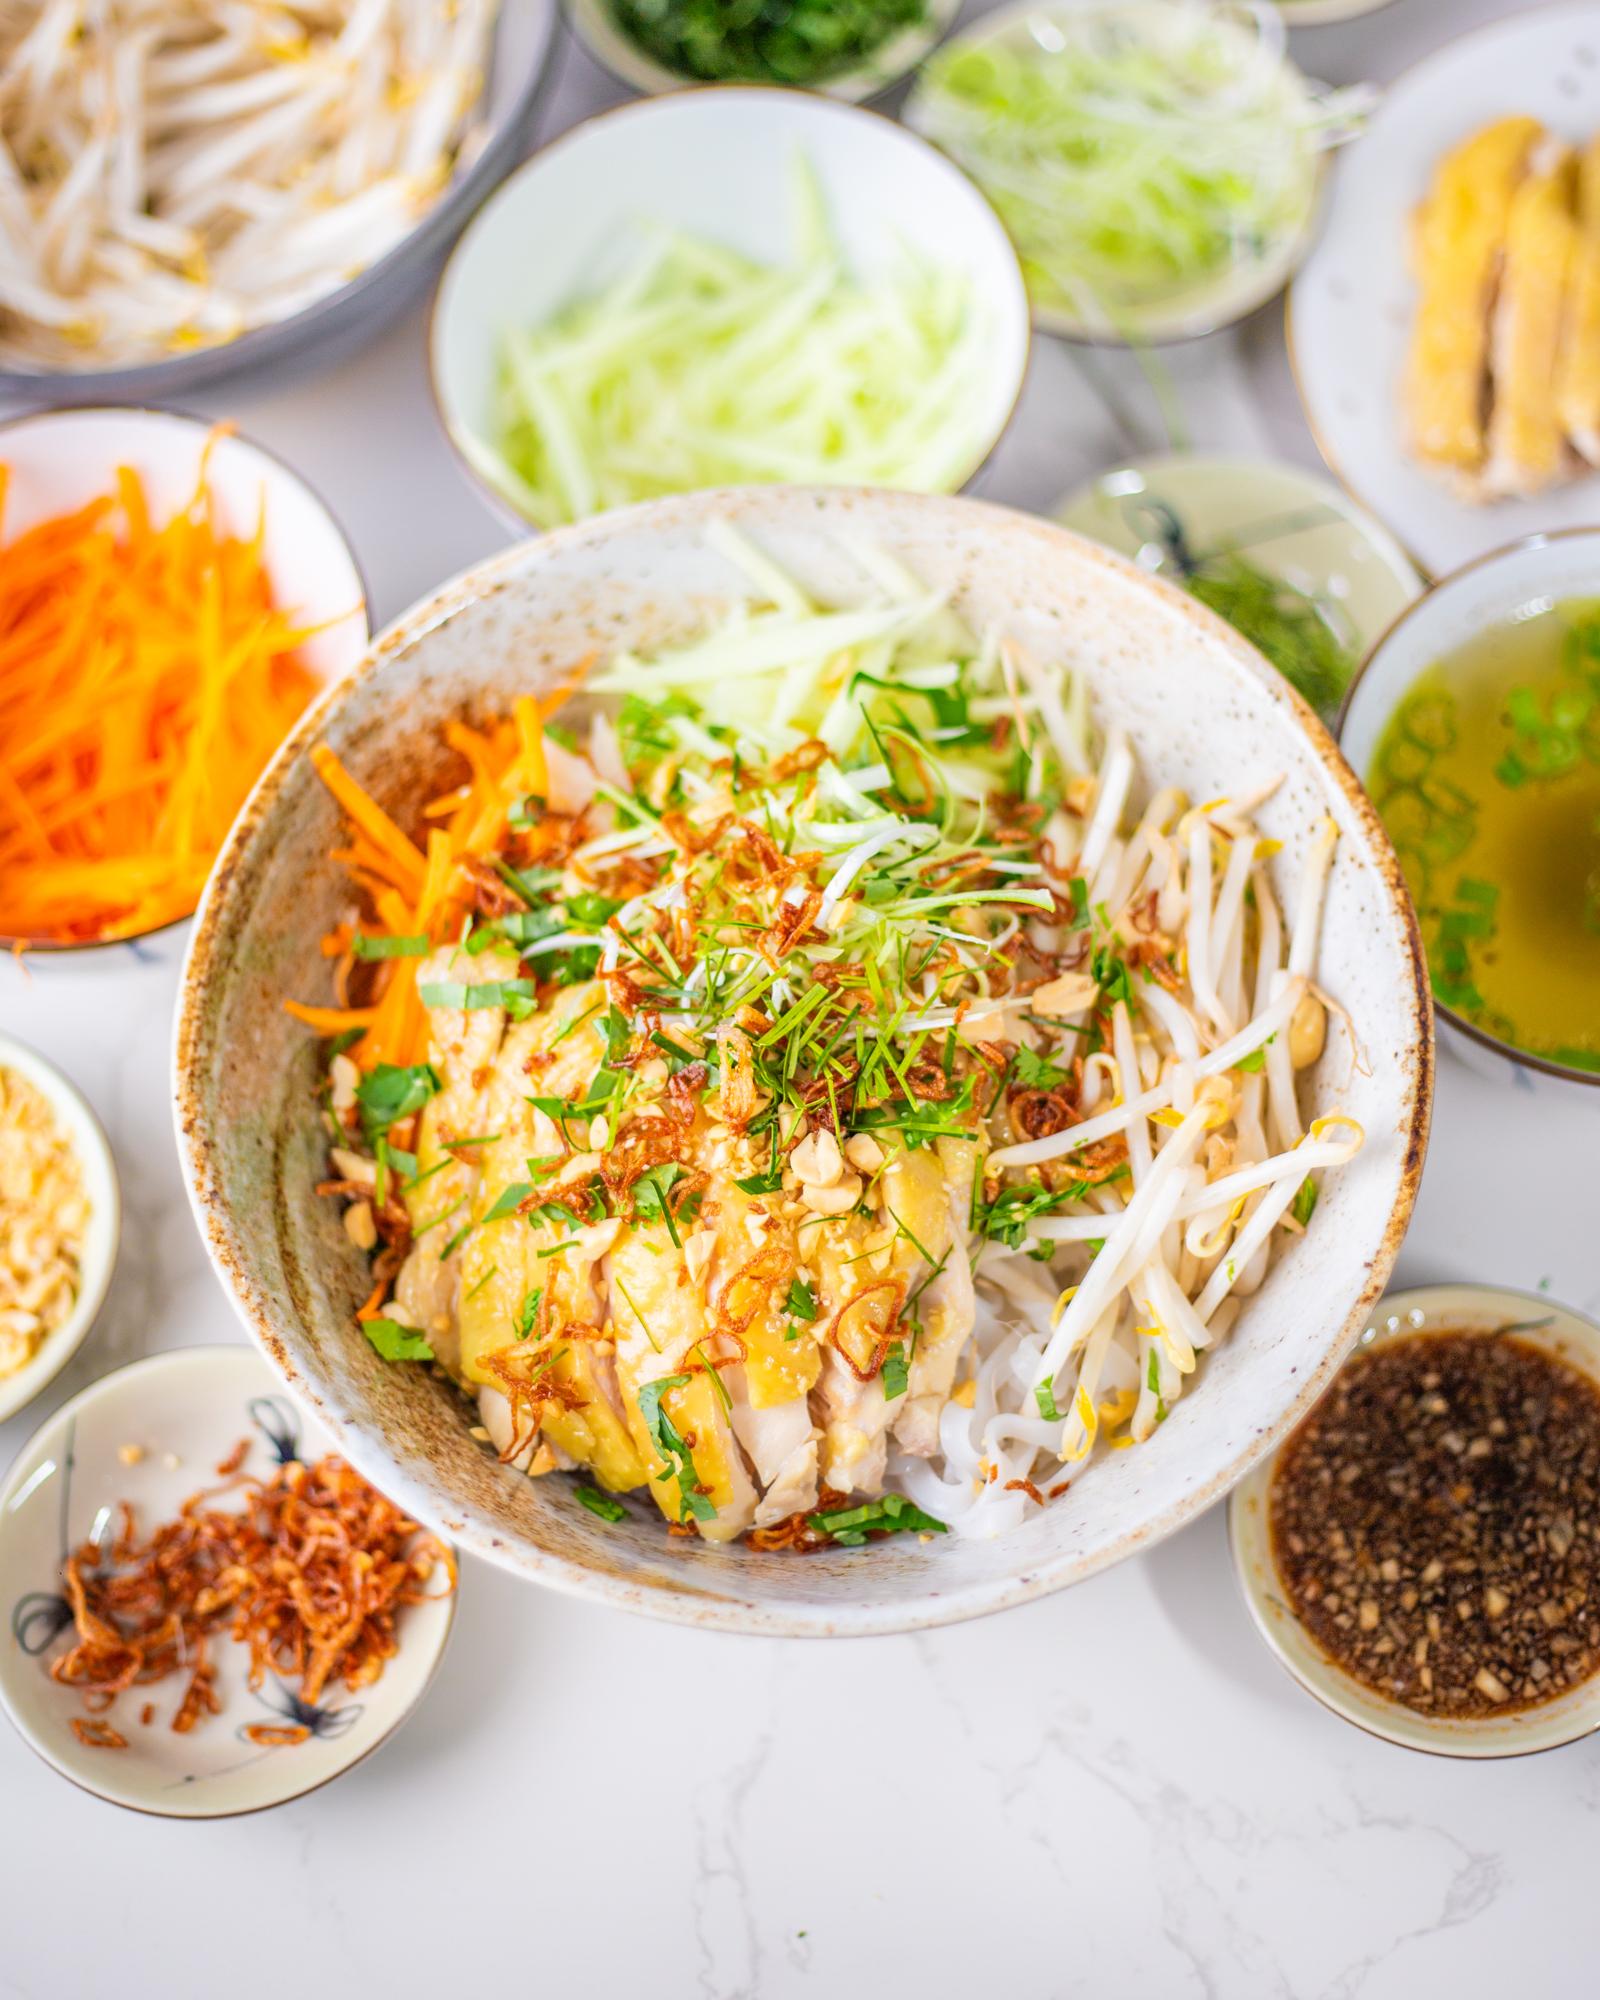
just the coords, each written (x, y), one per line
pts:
(60, 1218)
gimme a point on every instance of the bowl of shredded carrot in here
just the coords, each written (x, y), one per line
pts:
(171, 598)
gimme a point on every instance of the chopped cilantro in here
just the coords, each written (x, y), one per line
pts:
(389, 1093)
(396, 1342)
(668, 1441)
(508, 1199)
(606, 1505)
(800, 1302)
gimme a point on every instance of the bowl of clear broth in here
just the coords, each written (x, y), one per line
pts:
(1422, 1553)
(1475, 725)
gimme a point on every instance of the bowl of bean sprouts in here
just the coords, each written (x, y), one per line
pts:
(906, 888)
(188, 187)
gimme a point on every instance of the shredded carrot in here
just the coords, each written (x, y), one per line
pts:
(146, 676)
(416, 893)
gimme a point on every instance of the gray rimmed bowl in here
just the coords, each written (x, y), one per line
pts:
(340, 320)
(1202, 710)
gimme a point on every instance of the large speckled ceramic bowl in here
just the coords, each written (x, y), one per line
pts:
(1203, 711)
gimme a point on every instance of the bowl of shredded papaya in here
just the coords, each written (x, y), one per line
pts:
(171, 599)
(805, 1061)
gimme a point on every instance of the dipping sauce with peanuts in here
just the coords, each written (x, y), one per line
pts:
(1435, 1523)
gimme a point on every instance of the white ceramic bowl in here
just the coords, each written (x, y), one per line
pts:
(1351, 308)
(716, 162)
(1289, 522)
(1196, 310)
(1566, 1335)
(341, 320)
(56, 460)
(595, 25)
(1202, 711)
(99, 1253)
(184, 1410)
(1541, 570)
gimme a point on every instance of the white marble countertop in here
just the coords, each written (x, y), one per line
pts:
(1114, 1792)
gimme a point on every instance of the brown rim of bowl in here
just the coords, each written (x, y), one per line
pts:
(1431, 587)
(733, 1613)
(267, 1805)
(49, 412)
(272, 341)
(499, 503)
(1057, 323)
(939, 20)
(1249, 1597)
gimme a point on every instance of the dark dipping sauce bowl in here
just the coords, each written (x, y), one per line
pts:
(1520, 1575)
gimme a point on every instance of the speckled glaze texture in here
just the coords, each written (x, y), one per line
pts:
(1202, 710)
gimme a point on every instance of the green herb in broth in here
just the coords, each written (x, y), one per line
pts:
(1488, 779)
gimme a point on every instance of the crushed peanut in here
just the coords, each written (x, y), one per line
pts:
(44, 1218)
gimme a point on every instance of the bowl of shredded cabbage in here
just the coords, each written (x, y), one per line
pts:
(726, 286)
(1157, 162)
(806, 1060)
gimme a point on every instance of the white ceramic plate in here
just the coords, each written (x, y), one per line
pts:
(99, 1254)
(1293, 524)
(1350, 309)
(595, 25)
(184, 1410)
(715, 162)
(1570, 1338)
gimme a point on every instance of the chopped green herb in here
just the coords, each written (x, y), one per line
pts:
(389, 947)
(606, 1505)
(396, 1342)
(892, 1515)
(389, 1093)
(668, 1441)
(896, 1371)
(800, 1301)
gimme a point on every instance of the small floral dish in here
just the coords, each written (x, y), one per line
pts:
(98, 1252)
(595, 24)
(1554, 1330)
(153, 1434)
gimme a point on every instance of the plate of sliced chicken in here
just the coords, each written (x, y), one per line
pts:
(1445, 333)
